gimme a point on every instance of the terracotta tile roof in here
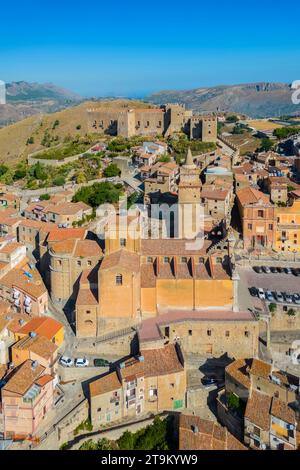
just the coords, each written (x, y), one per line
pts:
(11, 247)
(61, 234)
(105, 384)
(17, 321)
(66, 208)
(42, 381)
(148, 277)
(38, 225)
(260, 368)
(215, 194)
(23, 378)
(196, 433)
(258, 410)
(16, 278)
(87, 296)
(283, 411)
(9, 221)
(43, 326)
(162, 361)
(86, 248)
(252, 196)
(171, 247)
(38, 345)
(64, 247)
(123, 259)
(4, 307)
(238, 371)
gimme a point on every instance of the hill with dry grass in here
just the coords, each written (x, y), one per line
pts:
(39, 131)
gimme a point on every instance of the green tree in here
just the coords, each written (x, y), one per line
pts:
(272, 308)
(3, 169)
(165, 158)
(291, 312)
(19, 174)
(112, 170)
(59, 180)
(232, 118)
(30, 140)
(266, 145)
(45, 197)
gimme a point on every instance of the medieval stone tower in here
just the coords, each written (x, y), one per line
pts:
(189, 197)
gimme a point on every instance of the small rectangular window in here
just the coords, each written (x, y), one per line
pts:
(119, 280)
(123, 241)
(208, 332)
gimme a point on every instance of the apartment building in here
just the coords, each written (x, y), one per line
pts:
(27, 396)
(154, 381)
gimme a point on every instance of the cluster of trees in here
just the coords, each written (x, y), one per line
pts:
(180, 144)
(156, 436)
(99, 193)
(69, 149)
(285, 132)
(232, 119)
(266, 145)
(111, 171)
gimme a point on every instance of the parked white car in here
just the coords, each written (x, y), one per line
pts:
(81, 362)
(66, 361)
(261, 294)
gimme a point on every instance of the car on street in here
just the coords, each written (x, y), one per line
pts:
(258, 269)
(66, 361)
(281, 270)
(279, 297)
(208, 382)
(288, 298)
(269, 296)
(267, 270)
(81, 362)
(261, 294)
(296, 272)
(274, 270)
(296, 299)
(99, 362)
(253, 291)
(288, 271)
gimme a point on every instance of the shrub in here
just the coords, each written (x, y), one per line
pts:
(111, 170)
(30, 141)
(272, 308)
(3, 170)
(232, 118)
(45, 197)
(291, 312)
(59, 181)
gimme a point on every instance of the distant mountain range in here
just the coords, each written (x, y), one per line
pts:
(26, 99)
(257, 100)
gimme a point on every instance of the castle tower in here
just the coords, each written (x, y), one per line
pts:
(189, 197)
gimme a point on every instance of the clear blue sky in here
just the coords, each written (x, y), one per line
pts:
(134, 47)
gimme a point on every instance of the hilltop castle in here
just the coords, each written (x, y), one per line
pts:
(153, 121)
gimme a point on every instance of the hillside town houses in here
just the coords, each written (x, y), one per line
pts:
(107, 324)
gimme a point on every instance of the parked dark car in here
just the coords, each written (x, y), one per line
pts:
(296, 272)
(253, 291)
(274, 270)
(101, 362)
(258, 269)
